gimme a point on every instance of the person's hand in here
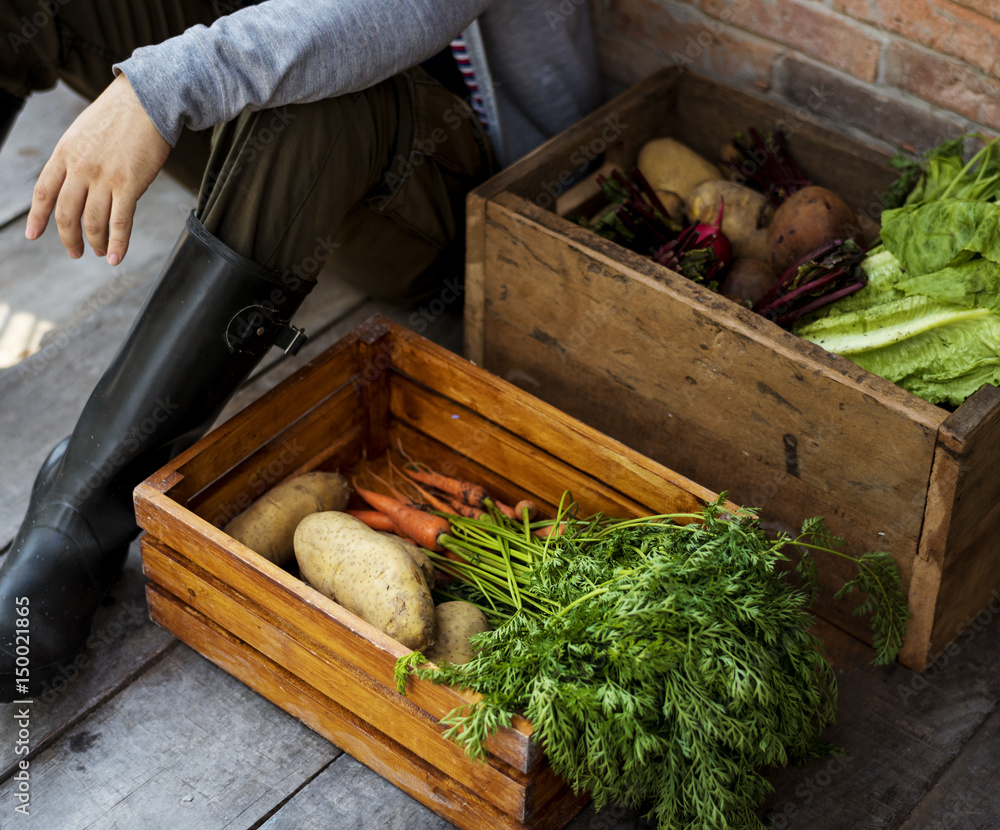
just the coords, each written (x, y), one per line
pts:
(101, 166)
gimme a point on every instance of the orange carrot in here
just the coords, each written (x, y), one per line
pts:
(551, 530)
(465, 490)
(375, 520)
(422, 528)
(433, 501)
(506, 510)
(463, 509)
(526, 504)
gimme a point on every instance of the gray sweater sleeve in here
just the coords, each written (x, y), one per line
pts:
(287, 51)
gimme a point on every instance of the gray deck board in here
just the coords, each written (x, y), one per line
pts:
(358, 798)
(150, 734)
(184, 746)
(29, 144)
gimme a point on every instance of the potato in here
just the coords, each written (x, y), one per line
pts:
(806, 220)
(669, 165)
(268, 525)
(745, 217)
(747, 279)
(456, 622)
(368, 573)
(417, 554)
(672, 203)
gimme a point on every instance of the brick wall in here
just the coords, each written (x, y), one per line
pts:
(891, 73)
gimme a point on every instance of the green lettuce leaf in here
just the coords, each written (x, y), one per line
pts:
(942, 172)
(930, 236)
(936, 335)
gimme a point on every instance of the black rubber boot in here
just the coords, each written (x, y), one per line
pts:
(10, 106)
(207, 323)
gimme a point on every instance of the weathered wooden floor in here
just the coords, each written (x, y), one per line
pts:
(150, 735)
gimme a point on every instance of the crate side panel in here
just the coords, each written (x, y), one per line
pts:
(784, 499)
(969, 490)
(244, 433)
(963, 516)
(305, 609)
(551, 430)
(328, 438)
(321, 669)
(498, 449)
(970, 583)
(694, 352)
(446, 797)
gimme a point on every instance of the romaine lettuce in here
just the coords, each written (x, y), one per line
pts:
(936, 334)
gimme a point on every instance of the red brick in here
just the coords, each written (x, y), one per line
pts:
(940, 80)
(685, 37)
(809, 29)
(943, 26)
(985, 7)
(845, 104)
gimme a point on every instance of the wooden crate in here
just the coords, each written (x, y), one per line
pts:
(261, 623)
(718, 393)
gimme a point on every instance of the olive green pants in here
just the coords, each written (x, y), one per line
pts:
(371, 183)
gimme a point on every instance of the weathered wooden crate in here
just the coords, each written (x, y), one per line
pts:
(379, 385)
(718, 393)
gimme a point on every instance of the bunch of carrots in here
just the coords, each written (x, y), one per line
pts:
(419, 506)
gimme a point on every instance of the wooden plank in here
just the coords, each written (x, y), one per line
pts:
(306, 610)
(475, 276)
(968, 584)
(961, 574)
(372, 386)
(691, 336)
(547, 427)
(37, 130)
(233, 441)
(184, 746)
(511, 791)
(970, 438)
(967, 795)
(901, 731)
(407, 771)
(358, 798)
(498, 449)
(303, 447)
(122, 643)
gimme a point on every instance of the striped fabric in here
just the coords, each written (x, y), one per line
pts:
(461, 54)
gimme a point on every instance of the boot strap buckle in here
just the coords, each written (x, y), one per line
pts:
(290, 339)
(259, 324)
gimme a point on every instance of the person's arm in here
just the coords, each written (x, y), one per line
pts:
(287, 51)
(275, 53)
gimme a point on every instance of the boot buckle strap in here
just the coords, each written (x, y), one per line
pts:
(290, 339)
(257, 324)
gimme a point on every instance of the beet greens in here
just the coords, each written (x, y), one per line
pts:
(764, 163)
(818, 279)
